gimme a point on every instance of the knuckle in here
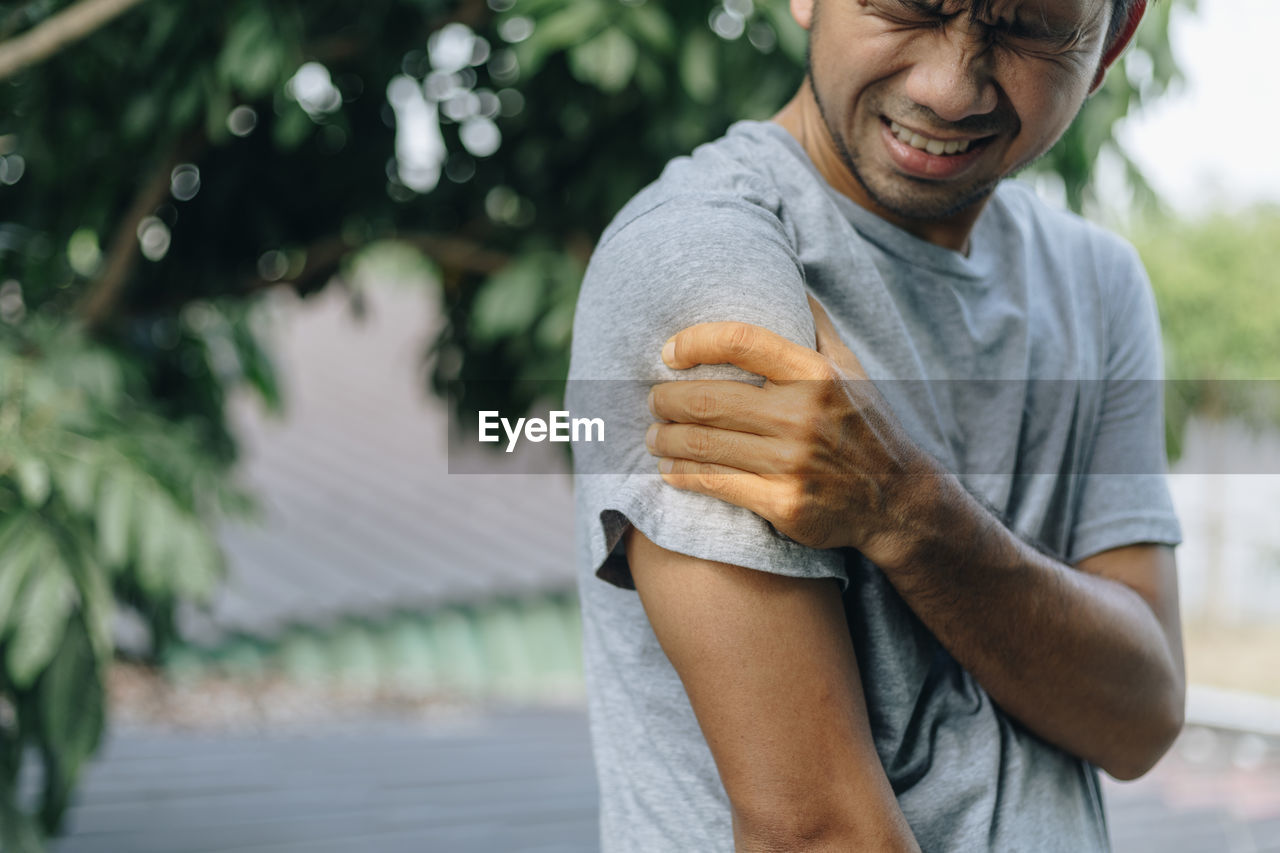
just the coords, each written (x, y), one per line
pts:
(702, 404)
(791, 457)
(790, 508)
(808, 425)
(738, 338)
(830, 375)
(828, 384)
(709, 479)
(813, 427)
(699, 443)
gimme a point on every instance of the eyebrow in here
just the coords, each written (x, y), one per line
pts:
(1042, 29)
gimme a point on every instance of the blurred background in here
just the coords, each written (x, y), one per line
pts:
(252, 255)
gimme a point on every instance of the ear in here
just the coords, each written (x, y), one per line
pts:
(1122, 39)
(802, 11)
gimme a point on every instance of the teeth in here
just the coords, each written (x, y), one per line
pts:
(933, 146)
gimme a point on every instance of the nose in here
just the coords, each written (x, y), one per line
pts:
(953, 75)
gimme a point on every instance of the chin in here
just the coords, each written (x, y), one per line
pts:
(923, 205)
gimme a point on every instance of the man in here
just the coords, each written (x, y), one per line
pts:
(839, 636)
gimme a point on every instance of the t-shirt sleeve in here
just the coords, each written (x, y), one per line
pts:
(1124, 498)
(683, 261)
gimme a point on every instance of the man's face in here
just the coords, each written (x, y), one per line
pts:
(931, 102)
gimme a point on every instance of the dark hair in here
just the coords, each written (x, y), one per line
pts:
(1120, 10)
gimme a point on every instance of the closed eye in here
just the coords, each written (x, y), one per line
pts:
(1034, 40)
(913, 12)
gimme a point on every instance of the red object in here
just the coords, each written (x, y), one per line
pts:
(1122, 38)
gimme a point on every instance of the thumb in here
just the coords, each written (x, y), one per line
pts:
(830, 345)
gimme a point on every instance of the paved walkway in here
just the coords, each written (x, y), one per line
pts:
(504, 783)
(1215, 791)
(523, 783)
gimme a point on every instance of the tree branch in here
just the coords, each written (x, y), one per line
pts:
(100, 299)
(457, 252)
(53, 34)
(451, 254)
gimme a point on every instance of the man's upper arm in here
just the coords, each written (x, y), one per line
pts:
(694, 258)
(769, 667)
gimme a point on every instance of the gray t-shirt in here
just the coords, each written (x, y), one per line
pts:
(1074, 460)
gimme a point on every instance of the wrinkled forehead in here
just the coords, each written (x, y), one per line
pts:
(1082, 14)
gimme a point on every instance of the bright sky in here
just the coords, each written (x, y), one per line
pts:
(1206, 146)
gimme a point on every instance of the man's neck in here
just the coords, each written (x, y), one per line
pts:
(802, 119)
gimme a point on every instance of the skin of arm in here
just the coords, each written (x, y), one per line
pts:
(770, 671)
(1087, 657)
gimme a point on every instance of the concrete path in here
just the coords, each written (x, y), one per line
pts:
(523, 782)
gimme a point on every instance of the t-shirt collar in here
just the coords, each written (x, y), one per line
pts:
(893, 240)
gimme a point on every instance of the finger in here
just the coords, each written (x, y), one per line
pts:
(722, 403)
(753, 348)
(749, 491)
(739, 450)
(830, 345)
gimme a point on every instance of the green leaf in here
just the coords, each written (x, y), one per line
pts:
(19, 544)
(556, 328)
(42, 617)
(256, 363)
(292, 127)
(793, 40)
(652, 25)
(196, 562)
(572, 24)
(140, 116)
(96, 599)
(606, 61)
(75, 478)
(18, 832)
(186, 104)
(33, 480)
(115, 512)
(508, 302)
(698, 66)
(71, 700)
(154, 526)
(252, 60)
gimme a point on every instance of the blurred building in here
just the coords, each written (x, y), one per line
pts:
(372, 564)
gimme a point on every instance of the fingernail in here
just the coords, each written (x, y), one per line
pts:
(651, 437)
(649, 402)
(669, 351)
(665, 465)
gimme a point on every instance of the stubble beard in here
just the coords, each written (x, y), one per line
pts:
(900, 202)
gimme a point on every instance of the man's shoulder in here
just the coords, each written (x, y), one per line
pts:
(705, 242)
(731, 172)
(1057, 229)
(1075, 261)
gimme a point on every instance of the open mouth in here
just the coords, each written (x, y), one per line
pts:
(937, 147)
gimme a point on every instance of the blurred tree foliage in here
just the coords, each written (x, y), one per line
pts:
(160, 173)
(98, 493)
(1216, 286)
(1145, 72)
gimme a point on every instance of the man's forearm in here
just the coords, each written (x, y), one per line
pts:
(1079, 659)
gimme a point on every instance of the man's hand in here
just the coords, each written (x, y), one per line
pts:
(816, 451)
(1089, 658)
